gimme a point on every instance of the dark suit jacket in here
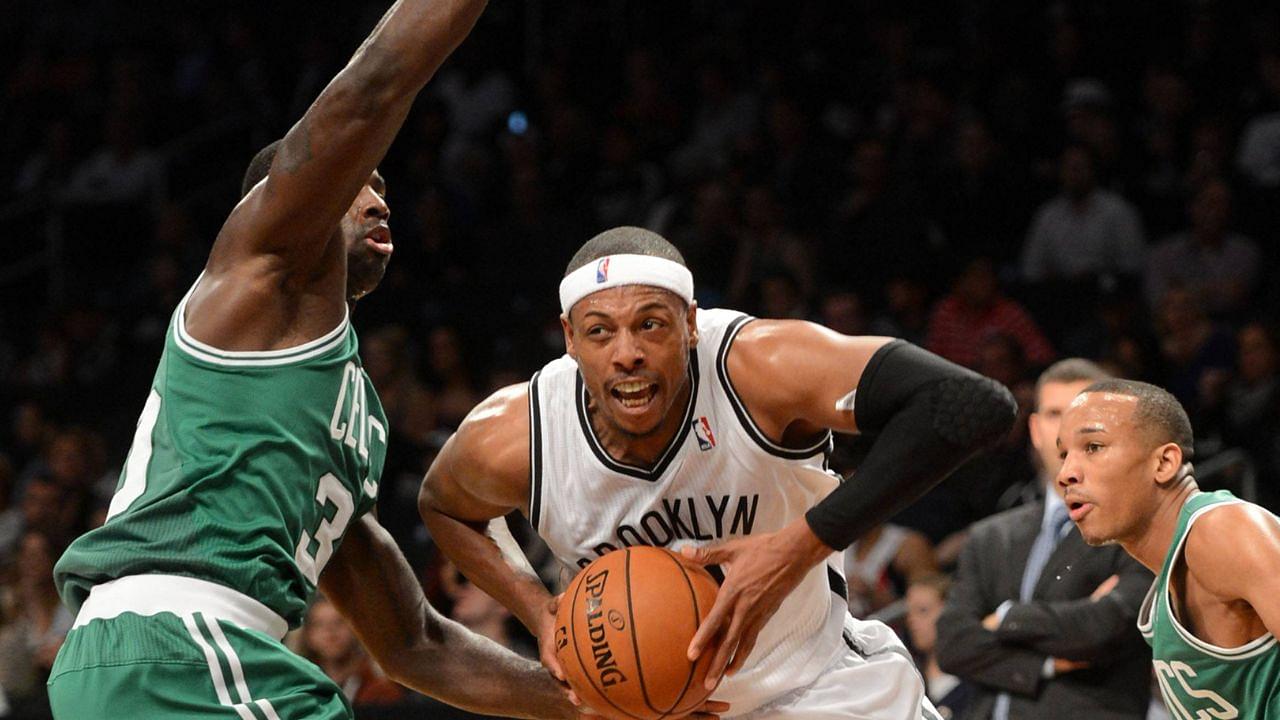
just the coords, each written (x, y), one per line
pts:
(1060, 621)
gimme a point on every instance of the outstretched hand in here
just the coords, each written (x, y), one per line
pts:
(759, 573)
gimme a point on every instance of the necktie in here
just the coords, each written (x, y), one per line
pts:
(1046, 542)
(1051, 531)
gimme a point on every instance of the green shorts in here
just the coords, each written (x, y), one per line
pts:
(191, 666)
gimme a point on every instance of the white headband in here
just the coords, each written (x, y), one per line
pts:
(614, 270)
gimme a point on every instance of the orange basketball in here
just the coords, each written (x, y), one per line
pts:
(623, 629)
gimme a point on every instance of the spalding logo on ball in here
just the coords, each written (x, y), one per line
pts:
(622, 631)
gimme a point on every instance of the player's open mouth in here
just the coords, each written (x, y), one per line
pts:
(1077, 509)
(633, 394)
(380, 240)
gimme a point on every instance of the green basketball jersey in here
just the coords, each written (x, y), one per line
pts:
(246, 469)
(1200, 681)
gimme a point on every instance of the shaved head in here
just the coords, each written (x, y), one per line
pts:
(1156, 412)
(625, 240)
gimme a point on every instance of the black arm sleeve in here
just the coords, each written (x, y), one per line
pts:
(929, 415)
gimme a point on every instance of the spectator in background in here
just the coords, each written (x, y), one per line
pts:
(1198, 355)
(926, 596)
(450, 376)
(37, 623)
(1248, 411)
(625, 185)
(874, 232)
(880, 564)
(766, 247)
(778, 296)
(1039, 621)
(328, 641)
(409, 406)
(906, 310)
(980, 203)
(647, 107)
(843, 312)
(708, 236)
(1090, 123)
(30, 430)
(478, 94)
(50, 508)
(1085, 231)
(48, 167)
(121, 172)
(1219, 266)
(480, 613)
(11, 520)
(976, 309)
(725, 115)
(1258, 157)
(1161, 130)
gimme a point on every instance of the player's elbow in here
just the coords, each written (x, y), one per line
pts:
(428, 499)
(973, 411)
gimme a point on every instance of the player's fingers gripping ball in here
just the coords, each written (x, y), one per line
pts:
(622, 631)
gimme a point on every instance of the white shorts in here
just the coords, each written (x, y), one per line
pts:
(874, 679)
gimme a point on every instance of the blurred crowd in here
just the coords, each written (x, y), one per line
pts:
(1005, 183)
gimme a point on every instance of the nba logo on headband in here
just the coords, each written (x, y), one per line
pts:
(625, 269)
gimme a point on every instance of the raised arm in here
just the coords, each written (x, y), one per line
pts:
(330, 154)
(372, 585)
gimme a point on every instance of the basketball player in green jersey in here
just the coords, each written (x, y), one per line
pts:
(259, 449)
(1213, 613)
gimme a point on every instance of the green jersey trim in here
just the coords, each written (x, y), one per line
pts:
(260, 358)
(1253, 648)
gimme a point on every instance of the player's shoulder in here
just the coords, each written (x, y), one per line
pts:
(761, 342)
(1230, 542)
(1220, 528)
(494, 437)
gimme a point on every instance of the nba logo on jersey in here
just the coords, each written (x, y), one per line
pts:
(602, 270)
(702, 430)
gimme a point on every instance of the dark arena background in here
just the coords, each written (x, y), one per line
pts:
(1005, 183)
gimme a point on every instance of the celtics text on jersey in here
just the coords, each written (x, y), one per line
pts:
(245, 470)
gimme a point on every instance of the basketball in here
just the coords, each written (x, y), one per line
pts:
(623, 628)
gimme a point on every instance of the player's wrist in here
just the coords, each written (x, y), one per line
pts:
(532, 606)
(810, 548)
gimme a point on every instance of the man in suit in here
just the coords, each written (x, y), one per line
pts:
(1039, 621)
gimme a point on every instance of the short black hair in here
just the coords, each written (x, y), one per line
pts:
(624, 240)
(1070, 370)
(1158, 411)
(259, 166)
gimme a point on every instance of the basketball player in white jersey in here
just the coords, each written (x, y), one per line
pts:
(706, 431)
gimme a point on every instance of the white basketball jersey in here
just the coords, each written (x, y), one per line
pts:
(720, 478)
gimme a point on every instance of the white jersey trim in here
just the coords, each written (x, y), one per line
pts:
(260, 358)
(673, 447)
(744, 416)
(1255, 647)
(153, 594)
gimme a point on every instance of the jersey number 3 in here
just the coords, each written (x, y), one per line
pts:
(329, 492)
